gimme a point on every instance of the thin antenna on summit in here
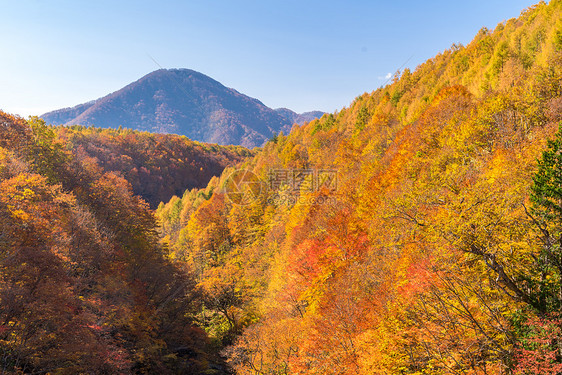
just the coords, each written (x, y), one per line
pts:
(156, 62)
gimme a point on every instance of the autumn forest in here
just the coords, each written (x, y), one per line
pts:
(416, 231)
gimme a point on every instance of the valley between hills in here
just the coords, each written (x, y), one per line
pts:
(177, 226)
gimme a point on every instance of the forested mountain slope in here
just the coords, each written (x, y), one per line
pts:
(411, 233)
(85, 287)
(185, 102)
(158, 166)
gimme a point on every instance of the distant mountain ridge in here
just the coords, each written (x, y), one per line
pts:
(184, 102)
(299, 118)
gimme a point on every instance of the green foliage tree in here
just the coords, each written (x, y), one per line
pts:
(546, 197)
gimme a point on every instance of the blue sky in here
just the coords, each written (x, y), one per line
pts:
(300, 54)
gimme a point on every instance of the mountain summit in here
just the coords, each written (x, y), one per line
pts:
(181, 101)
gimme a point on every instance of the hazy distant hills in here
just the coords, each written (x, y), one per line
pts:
(185, 102)
(299, 118)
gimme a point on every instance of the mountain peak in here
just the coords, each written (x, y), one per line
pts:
(181, 101)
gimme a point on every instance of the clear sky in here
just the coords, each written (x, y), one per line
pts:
(300, 54)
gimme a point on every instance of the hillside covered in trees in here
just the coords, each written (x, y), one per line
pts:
(85, 286)
(158, 166)
(417, 231)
